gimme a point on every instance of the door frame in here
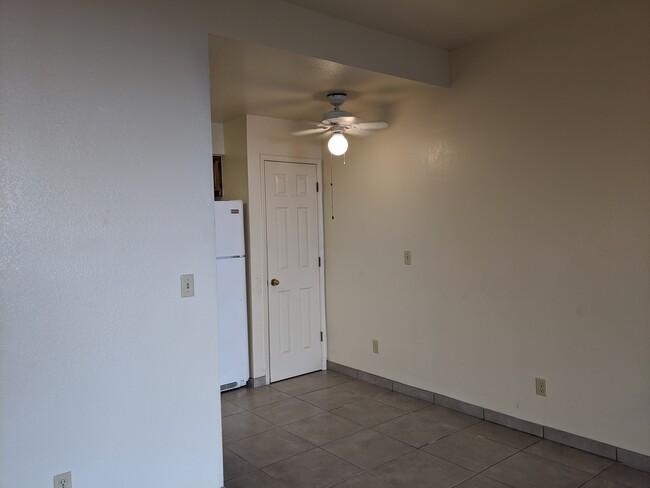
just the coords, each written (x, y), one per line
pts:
(321, 252)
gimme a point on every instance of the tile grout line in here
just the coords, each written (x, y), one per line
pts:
(404, 413)
(616, 457)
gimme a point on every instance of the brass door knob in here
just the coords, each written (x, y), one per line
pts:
(275, 282)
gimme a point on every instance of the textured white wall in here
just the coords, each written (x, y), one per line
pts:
(523, 193)
(106, 201)
(106, 198)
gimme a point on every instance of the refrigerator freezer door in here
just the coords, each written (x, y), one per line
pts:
(229, 223)
(232, 322)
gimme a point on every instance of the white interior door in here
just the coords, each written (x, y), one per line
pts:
(293, 274)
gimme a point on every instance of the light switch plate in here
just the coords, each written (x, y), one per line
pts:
(187, 285)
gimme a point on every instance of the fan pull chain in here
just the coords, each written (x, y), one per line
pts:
(332, 184)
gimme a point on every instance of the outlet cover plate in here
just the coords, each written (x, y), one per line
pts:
(63, 480)
(540, 386)
(375, 346)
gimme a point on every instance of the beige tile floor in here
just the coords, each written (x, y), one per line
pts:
(327, 430)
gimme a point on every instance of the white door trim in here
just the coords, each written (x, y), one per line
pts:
(321, 252)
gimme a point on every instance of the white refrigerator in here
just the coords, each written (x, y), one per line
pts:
(232, 312)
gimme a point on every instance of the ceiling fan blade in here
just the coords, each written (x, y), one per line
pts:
(308, 132)
(371, 125)
(357, 132)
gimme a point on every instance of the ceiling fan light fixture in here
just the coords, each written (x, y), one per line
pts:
(337, 144)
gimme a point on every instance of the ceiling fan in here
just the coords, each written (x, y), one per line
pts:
(337, 122)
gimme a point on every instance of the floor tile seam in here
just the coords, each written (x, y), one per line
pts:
(374, 428)
(249, 409)
(390, 461)
(228, 443)
(386, 421)
(517, 451)
(344, 418)
(230, 414)
(342, 405)
(503, 443)
(309, 450)
(540, 457)
(483, 417)
(409, 411)
(245, 460)
(366, 395)
(273, 403)
(611, 461)
(601, 472)
(487, 475)
(364, 429)
(282, 426)
(321, 413)
(295, 395)
(346, 479)
(474, 473)
(261, 468)
(439, 423)
(311, 403)
(246, 474)
(450, 426)
(391, 420)
(235, 454)
(589, 480)
(557, 462)
(419, 412)
(479, 474)
(363, 470)
(398, 439)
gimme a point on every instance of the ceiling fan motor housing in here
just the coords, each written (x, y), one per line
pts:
(333, 117)
(336, 98)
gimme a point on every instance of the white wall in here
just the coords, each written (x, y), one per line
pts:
(235, 162)
(105, 191)
(105, 201)
(217, 138)
(523, 193)
(266, 136)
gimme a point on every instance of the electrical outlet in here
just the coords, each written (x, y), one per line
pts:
(187, 285)
(407, 257)
(540, 386)
(375, 346)
(63, 480)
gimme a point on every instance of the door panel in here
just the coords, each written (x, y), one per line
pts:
(292, 242)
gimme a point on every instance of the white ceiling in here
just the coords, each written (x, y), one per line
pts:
(441, 23)
(257, 80)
